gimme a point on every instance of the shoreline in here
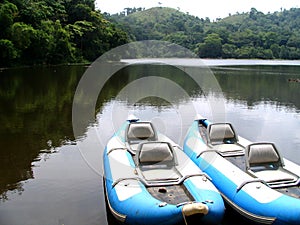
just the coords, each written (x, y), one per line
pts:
(214, 62)
(45, 65)
(184, 62)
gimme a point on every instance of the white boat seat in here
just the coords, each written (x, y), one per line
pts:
(221, 133)
(156, 161)
(138, 131)
(264, 162)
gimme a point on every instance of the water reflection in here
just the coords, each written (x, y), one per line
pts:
(255, 84)
(35, 105)
(35, 117)
(134, 72)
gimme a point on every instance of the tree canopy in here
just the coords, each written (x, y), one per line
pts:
(66, 31)
(54, 31)
(244, 35)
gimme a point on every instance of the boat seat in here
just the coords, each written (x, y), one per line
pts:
(140, 131)
(264, 162)
(221, 133)
(156, 161)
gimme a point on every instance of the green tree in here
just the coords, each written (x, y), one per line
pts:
(61, 49)
(34, 12)
(228, 51)
(54, 44)
(78, 32)
(179, 38)
(243, 38)
(40, 48)
(262, 53)
(55, 31)
(294, 41)
(80, 12)
(212, 46)
(246, 52)
(270, 38)
(8, 12)
(294, 53)
(275, 48)
(284, 52)
(22, 35)
(8, 52)
(253, 14)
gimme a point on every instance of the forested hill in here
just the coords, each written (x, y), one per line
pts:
(54, 31)
(66, 31)
(244, 35)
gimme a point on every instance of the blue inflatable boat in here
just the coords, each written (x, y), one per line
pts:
(148, 179)
(252, 177)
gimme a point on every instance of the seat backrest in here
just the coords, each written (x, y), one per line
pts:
(261, 154)
(155, 152)
(138, 131)
(220, 133)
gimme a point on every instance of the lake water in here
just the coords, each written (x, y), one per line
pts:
(48, 175)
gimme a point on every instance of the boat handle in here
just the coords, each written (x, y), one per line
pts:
(202, 174)
(249, 181)
(211, 150)
(114, 149)
(122, 179)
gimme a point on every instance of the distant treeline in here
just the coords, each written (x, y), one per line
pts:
(65, 31)
(54, 32)
(243, 35)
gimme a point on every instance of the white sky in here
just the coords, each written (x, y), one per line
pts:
(210, 8)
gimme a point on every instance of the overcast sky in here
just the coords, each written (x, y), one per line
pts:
(211, 8)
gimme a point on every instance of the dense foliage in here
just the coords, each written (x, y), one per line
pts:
(246, 35)
(64, 31)
(54, 31)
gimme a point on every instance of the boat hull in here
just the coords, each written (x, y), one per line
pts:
(129, 198)
(248, 196)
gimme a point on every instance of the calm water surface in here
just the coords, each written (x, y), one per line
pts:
(48, 176)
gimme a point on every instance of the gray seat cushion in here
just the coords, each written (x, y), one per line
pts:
(221, 131)
(262, 153)
(156, 162)
(140, 131)
(154, 152)
(264, 162)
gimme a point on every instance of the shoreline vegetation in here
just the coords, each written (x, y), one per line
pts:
(63, 32)
(50, 32)
(183, 62)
